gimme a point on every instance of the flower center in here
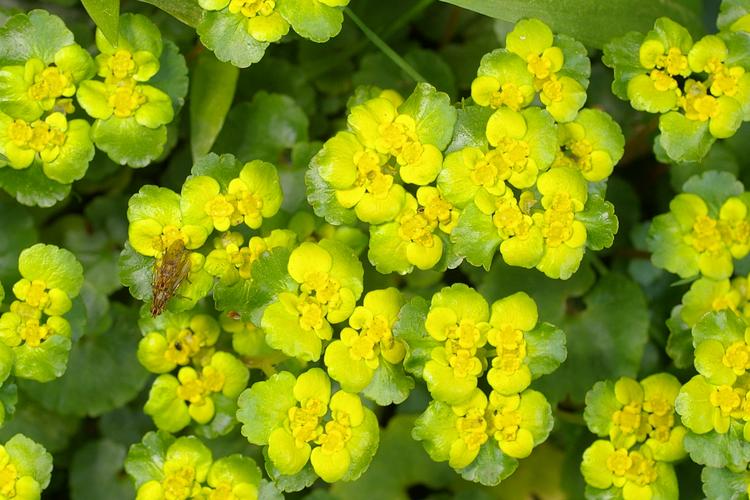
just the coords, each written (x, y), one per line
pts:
(642, 470)
(125, 99)
(184, 344)
(37, 135)
(304, 421)
(619, 462)
(553, 90)
(673, 61)
(337, 434)
(252, 8)
(628, 419)
(737, 357)
(514, 153)
(50, 83)
(697, 103)
(726, 399)
(417, 228)
(34, 333)
(370, 173)
(509, 219)
(121, 64)
(178, 482)
(509, 95)
(197, 390)
(506, 422)
(8, 477)
(472, 428)
(511, 348)
(539, 66)
(705, 236)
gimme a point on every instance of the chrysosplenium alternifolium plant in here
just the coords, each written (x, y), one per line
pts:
(291, 297)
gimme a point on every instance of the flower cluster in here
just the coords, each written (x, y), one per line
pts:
(35, 338)
(713, 404)
(522, 183)
(706, 229)
(164, 468)
(644, 438)
(131, 102)
(304, 426)
(240, 31)
(516, 177)
(700, 90)
(40, 72)
(451, 343)
(25, 468)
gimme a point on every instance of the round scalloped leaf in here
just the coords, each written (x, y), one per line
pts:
(622, 54)
(389, 384)
(103, 371)
(222, 168)
(264, 406)
(263, 129)
(491, 465)
(311, 19)
(723, 483)
(289, 484)
(605, 341)
(683, 139)
(31, 187)
(577, 64)
(172, 77)
(434, 114)
(545, 349)
(322, 197)
(44, 363)
(37, 34)
(714, 188)
(136, 273)
(601, 404)
(30, 459)
(475, 237)
(136, 32)
(146, 459)
(249, 299)
(20, 232)
(226, 36)
(680, 341)
(410, 328)
(96, 472)
(469, 130)
(601, 222)
(127, 142)
(719, 450)
(57, 267)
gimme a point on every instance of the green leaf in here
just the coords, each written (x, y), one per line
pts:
(289, 484)
(621, 54)
(680, 341)
(605, 340)
(601, 222)
(136, 273)
(553, 297)
(38, 34)
(434, 114)
(8, 399)
(185, 11)
(225, 34)
(146, 459)
(389, 384)
(50, 429)
(57, 267)
(30, 458)
(20, 233)
(545, 348)
(31, 187)
(44, 363)
(588, 21)
(714, 188)
(223, 421)
(471, 123)
(269, 278)
(264, 406)
(400, 463)
(322, 197)
(683, 139)
(97, 472)
(475, 237)
(211, 95)
(311, 19)
(719, 450)
(601, 404)
(491, 465)
(222, 168)
(263, 129)
(106, 15)
(172, 77)
(103, 371)
(126, 142)
(723, 483)
(410, 328)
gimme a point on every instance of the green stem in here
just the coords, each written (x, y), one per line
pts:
(384, 48)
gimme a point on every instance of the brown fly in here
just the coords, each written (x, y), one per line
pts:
(169, 273)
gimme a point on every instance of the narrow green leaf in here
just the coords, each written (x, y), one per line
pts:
(592, 22)
(185, 11)
(211, 95)
(106, 15)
